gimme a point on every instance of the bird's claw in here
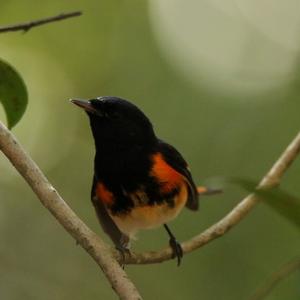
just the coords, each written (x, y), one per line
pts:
(124, 252)
(177, 250)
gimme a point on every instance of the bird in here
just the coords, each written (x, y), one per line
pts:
(140, 181)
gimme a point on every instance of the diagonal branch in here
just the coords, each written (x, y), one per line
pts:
(50, 198)
(28, 25)
(271, 179)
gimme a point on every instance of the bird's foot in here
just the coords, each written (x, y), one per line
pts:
(177, 249)
(124, 252)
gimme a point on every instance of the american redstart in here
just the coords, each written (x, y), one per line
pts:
(140, 181)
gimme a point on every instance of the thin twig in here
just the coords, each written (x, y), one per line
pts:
(50, 198)
(271, 179)
(276, 278)
(28, 25)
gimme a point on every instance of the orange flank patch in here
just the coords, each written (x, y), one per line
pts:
(165, 174)
(103, 194)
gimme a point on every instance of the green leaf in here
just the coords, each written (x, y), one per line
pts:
(281, 201)
(13, 93)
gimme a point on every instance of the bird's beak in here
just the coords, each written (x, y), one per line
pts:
(86, 105)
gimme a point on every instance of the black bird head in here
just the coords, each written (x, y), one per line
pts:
(116, 122)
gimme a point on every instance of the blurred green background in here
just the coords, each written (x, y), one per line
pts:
(219, 80)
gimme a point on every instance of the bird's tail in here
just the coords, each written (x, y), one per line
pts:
(203, 190)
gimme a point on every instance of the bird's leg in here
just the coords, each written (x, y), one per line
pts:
(174, 244)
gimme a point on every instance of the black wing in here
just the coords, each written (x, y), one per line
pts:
(176, 161)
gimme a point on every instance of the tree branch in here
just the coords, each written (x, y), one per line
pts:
(27, 26)
(277, 277)
(50, 198)
(271, 179)
(98, 250)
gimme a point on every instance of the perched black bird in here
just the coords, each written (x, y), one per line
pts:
(140, 181)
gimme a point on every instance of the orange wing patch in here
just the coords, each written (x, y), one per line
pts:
(103, 194)
(166, 175)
